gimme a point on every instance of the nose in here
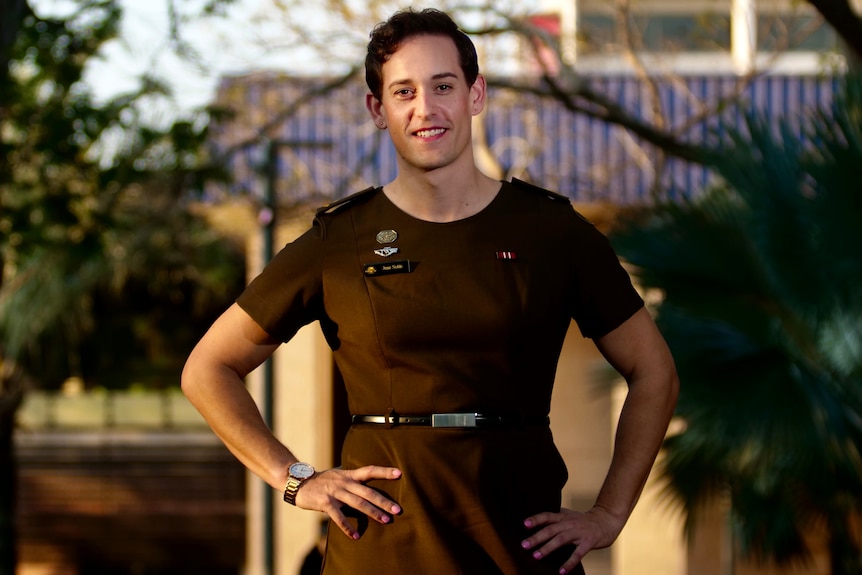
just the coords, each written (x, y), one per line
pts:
(425, 105)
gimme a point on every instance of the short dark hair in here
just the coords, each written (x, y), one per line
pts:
(387, 36)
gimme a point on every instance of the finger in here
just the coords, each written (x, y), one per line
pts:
(368, 472)
(340, 488)
(554, 545)
(551, 523)
(543, 518)
(572, 561)
(379, 501)
(344, 510)
(540, 540)
(363, 474)
(370, 503)
(582, 546)
(339, 519)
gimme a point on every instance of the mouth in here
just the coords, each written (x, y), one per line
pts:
(429, 132)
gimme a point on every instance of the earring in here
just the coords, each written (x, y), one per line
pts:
(381, 124)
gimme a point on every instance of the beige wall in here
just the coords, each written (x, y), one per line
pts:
(301, 399)
(583, 419)
(302, 393)
(711, 552)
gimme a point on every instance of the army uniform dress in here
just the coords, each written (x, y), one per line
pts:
(459, 317)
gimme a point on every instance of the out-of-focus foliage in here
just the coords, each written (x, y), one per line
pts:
(108, 272)
(763, 312)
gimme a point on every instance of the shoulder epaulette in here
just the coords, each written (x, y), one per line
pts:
(548, 194)
(539, 190)
(333, 207)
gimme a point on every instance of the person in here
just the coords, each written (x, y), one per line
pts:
(445, 296)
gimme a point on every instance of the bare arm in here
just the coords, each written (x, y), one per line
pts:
(213, 381)
(638, 351)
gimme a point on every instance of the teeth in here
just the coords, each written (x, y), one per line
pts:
(430, 133)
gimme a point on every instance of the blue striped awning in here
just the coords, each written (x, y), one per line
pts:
(328, 147)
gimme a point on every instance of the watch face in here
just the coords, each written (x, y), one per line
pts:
(301, 470)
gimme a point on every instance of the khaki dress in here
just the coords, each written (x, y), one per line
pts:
(465, 316)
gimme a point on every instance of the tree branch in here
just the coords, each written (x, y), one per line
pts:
(583, 100)
(267, 129)
(840, 15)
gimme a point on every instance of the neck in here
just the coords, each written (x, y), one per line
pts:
(442, 195)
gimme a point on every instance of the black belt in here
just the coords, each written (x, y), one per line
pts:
(454, 420)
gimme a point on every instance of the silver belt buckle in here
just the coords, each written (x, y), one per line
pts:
(453, 420)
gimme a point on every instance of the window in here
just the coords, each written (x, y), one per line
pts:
(795, 32)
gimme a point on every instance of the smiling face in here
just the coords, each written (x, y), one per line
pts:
(427, 105)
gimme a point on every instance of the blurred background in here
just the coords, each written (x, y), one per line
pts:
(153, 156)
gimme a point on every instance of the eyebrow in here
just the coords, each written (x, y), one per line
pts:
(439, 76)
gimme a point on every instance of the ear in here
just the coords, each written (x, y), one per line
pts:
(478, 91)
(375, 109)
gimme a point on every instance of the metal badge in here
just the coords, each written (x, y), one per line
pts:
(386, 252)
(386, 236)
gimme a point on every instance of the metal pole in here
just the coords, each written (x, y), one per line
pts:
(569, 31)
(743, 34)
(268, 215)
(268, 226)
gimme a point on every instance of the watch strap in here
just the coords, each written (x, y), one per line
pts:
(291, 489)
(297, 473)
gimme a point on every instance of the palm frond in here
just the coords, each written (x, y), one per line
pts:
(763, 314)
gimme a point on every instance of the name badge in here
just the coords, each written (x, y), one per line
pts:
(386, 268)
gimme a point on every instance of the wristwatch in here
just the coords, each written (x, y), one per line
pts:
(297, 473)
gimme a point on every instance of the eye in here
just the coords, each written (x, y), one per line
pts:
(444, 88)
(403, 93)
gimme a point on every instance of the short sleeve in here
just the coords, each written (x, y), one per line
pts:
(287, 294)
(606, 297)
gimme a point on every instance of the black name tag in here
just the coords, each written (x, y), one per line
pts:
(386, 268)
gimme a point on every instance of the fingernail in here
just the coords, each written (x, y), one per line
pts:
(355, 536)
(396, 509)
(384, 519)
(525, 544)
(563, 571)
(528, 523)
(537, 555)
